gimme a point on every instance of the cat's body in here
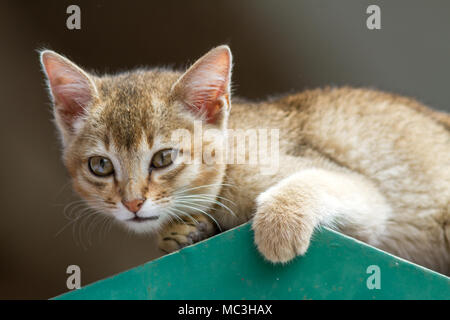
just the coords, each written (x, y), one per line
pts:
(372, 165)
(396, 151)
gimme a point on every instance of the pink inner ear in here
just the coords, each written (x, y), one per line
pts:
(71, 100)
(206, 100)
(206, 82)
(71, 89)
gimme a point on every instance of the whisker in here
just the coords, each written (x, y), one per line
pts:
(83, 212)
(79, 223)
(204, 186)
(192, 202)
(210, 200)
(82, 228)
(174, 214)
(208, 195)
(186, 214)
(221, 205)
(92, 226)
(104, 223)
(205, 213)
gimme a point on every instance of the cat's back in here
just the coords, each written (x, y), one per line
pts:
(360, 102)
(401, 145)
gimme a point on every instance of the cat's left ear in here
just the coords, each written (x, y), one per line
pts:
(205, 87)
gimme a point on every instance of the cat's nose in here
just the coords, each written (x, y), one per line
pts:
(133, 205)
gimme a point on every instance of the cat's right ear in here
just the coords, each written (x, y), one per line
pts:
(71, 89)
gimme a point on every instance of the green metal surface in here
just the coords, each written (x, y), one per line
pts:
(228, 266)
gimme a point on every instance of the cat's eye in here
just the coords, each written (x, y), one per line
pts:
(163, 158)
(101, 166)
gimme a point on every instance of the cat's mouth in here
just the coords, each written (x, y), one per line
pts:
(143, 219)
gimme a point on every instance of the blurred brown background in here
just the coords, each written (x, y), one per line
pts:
(278, 46)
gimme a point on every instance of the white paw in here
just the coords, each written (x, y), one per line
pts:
(282, 231)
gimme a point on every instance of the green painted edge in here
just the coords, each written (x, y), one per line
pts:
(228, 266)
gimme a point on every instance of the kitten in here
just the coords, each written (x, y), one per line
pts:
(372, 165)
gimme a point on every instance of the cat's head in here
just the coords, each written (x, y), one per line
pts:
(118, 136)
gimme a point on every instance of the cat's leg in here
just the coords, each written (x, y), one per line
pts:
(187, 231)
(287, 213)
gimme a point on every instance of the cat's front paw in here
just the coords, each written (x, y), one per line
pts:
(184, 233)
(282, 231)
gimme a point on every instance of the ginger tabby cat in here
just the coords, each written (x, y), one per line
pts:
(373, 165)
